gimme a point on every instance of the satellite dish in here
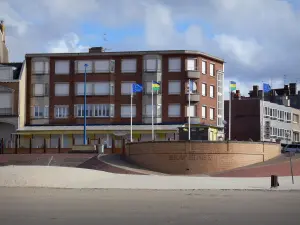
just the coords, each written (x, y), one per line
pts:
(224, 122)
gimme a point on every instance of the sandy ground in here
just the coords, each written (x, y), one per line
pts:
(63, 207)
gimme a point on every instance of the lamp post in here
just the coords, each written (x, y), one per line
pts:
(84, 105)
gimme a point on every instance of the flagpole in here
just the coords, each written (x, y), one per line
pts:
(152, 113)
(131, 97)
(229, 124)
(263, 115)
(189, 111)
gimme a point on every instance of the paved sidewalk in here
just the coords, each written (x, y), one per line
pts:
(63, 177)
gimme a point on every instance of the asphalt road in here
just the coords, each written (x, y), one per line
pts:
(61, 206)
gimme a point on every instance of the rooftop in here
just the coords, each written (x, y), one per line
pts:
(17, 71)
(99, 51)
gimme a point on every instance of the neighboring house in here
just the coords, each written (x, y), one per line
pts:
(54, 100)
(9, 99)
(262, 121)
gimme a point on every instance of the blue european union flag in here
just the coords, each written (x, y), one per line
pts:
(137, 88)
(266, 88)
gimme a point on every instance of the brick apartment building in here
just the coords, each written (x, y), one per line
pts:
(253, 118)
(54, 96)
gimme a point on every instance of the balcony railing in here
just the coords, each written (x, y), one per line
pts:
(193, 74)
(195, 97)
(6, 112)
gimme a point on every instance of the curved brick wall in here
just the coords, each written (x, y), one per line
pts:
(180, 157)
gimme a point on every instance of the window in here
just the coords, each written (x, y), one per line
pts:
(191, 111)
(40, 67)
(288, 117)
(192, 87)
(128, 66)
(61, 111)
(204, 89)
(204, 112)
(204, 67)
(126, 88)
(40, 89)
(79, 110)
(211, 91)
(295, 118)
(174, 110)
(103, 110)
(102, 66)
(61, 89)
(152, 65)
(211, 69)
(174, 87)
(102, 88)
(156, 110)
(62, 67)
(191, 64)
(80, 66)
(40, 112)
(148, 88)
(174, 65)
(211, 113)
(80, 88)
(296, 137)
(126, 109)
(94, 110)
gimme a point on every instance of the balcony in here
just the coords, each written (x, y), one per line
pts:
(195, 97)
(193, 74)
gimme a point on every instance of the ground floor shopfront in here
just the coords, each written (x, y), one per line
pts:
(112, 137)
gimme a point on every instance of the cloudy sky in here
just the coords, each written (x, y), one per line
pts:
(259, 39)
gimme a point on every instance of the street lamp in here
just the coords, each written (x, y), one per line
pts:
(84, 106)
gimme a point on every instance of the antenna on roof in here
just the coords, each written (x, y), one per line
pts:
(105, 40)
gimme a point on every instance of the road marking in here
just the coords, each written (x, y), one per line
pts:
(50, 160)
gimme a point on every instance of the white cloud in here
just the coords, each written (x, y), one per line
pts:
(69, 43)
(259, 39)
(247, 52)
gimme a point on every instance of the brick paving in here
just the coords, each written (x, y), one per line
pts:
(279, 169)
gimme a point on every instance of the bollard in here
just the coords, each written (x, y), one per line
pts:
(274, 181)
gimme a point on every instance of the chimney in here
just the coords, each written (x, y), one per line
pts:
(255, 91)
(96, 49)
(293, 88)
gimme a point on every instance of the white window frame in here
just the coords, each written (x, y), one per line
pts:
(157, 65)
(102, 83)
(204, 109)
(204, 89)
(212, 113)
(45, 90)
(100, 110)
(188, 67)
(61, 111)
(192, 109)
(203, 67)
(40, 112)
(89, 69)
(175, 59)
(128, 61)
(133, 111)
(211, 91)
(170, 92)
(61, 84)
(178, 105)
(102, 70)
(212, 69)
(89, 88)
(65, 72)
(44, 69)
(127, 82)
